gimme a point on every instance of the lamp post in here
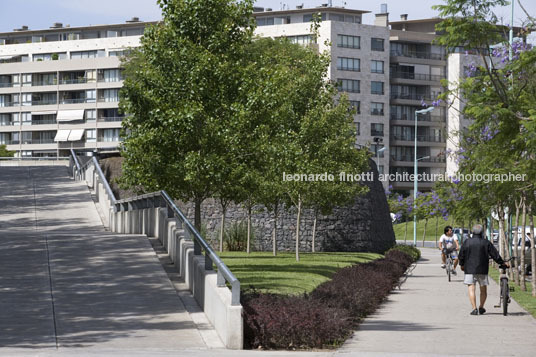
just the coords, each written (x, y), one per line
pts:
(378, 141)
(422, 111)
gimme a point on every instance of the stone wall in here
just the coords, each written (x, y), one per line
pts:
(364, 227)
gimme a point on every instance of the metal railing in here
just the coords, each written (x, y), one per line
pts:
(423, 138)
(162, 199)
(430, 118)
(110, 119)
(417, 76)
(417, 54)
(408, 158)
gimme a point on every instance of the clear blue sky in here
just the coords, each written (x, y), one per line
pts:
(41, 14)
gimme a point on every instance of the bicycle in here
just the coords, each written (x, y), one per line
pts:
(449, 262)
(504, 298)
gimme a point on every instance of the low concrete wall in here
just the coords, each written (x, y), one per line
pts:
(214, 300)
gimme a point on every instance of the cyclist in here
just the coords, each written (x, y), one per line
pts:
(449, 242)
(474, 262)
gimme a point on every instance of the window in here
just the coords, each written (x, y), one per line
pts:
(26, 99)
(91, 95)
(376, 129)
(16, 80)
(27, 80)
(349, 85)
(347, 41)
(375, 149)
(376, 44)
(91, 115)
(358, 128)
(110, 95)
(376, 108)
(26, 118)
(301, 39)
(309, 17)
(376, 87)
(336, 17)
(16, 118)
(87, 54)
(376, 66)
(91, 135)
(348, 64)
(356, 105)
(110, 135)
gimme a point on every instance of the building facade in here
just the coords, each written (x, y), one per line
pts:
(360, 64)
(59, 88)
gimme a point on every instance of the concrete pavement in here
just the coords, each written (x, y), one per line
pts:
(67, 283)
(430, 316)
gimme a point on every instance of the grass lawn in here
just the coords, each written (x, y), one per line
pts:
(523, 298)
(283, 275)
(400, 228)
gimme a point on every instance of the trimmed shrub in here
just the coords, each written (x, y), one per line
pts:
(329, 314)
(410, 250)
(292, 322)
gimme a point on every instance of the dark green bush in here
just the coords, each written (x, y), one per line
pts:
(410, 250)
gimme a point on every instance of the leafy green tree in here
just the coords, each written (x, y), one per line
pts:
(180, 91)
(6, 153)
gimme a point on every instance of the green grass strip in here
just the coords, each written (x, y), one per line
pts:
(283, 275)
(523, 298)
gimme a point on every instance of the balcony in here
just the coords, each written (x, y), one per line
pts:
(409, 158)
(38, 141)
(77, 100)
(110, 119)
(44, 102)
(417, 76)
(418, 54)
(425, 118)
(410, 96)
(420, 138)
(76, 81)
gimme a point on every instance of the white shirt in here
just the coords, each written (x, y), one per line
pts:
(448, 242)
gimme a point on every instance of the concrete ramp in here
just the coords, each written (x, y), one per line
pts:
(66, 282)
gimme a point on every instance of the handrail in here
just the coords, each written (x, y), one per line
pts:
(75, 160)
(224, 273)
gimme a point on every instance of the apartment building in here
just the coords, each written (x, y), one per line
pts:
(416, 67)
(360, 64)
(59, 87)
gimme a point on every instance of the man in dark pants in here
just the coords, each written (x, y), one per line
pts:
(474, 262)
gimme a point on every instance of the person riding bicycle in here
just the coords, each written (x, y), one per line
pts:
(448, 243)
(474, 262)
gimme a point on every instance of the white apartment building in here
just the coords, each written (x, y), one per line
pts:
(59, 87)
(360, 63)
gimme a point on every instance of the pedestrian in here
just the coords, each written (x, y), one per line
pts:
(474, 261)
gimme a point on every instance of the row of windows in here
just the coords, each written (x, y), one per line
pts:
(38, 57)
(354, 86)
(376, 108)
(83, 35)
(348, 41)
(376, 129)
(354, 64)
(87, 96)
(73, 77)
(47, 137)
(282, 20)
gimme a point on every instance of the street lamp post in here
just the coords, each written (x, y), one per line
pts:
(378, 141)
(422, 111)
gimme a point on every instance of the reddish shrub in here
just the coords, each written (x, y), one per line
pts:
(292, 322)
(400, 257)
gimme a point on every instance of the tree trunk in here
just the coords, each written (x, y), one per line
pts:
(314, 232)
(522, 284)
(248, 250)
(436, 227)
(222, 228)
(461, 233)
(197, 213)
(298, 230)
(500, 215)
(424, 232)
(406, 231)
(274, 233)
(515, 263)
(532, 252)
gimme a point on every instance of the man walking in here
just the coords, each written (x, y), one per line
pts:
(474, 262)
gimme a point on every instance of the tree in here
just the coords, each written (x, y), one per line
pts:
(6, 153)
(180, 90)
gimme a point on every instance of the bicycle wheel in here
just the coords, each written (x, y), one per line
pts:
(504, 296)
(449, 267)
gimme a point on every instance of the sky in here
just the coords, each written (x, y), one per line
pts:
(41, 14)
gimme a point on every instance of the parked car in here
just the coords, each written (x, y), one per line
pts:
(495, 235)
(458, 233)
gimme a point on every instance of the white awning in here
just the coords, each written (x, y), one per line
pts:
(50, 112)
(70, 115)
(62, 135)
(8, 57)
(76, 134)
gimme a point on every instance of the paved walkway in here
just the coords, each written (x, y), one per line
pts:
(66, 283)
(430, 316)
